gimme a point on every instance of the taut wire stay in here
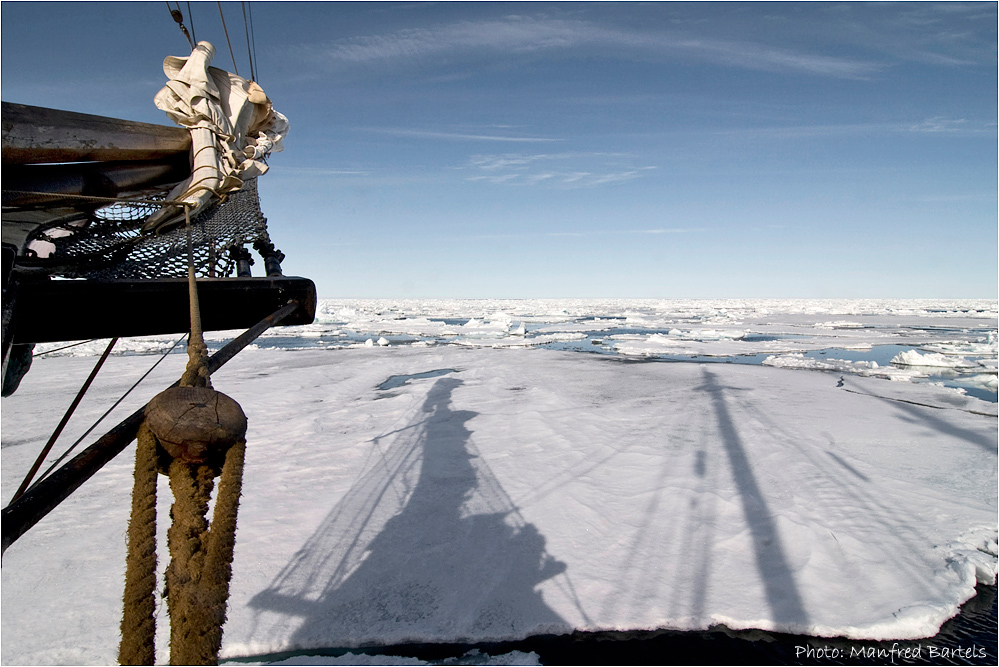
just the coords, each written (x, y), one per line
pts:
(135, 384)
(63, 421)
(226, 31)
(190, 15)
(253, 39)
(249, 50)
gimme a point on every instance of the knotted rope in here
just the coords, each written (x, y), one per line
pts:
(194, 434)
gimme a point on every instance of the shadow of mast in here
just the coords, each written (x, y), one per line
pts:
(425, 546)
(778, 578)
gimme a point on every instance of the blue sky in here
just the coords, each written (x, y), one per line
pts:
(587, 149)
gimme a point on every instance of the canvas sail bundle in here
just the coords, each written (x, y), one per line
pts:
(132, 230)
(233, 128)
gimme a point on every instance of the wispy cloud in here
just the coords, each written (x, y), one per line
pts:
(628, 232)
(567, 170)
(578, 179)
(323, 171)
(457, 136)
(748, 55)
(934, 125)
(510, 34)
(590, 233)
(525, 35)
(520, 160)
(940, 124)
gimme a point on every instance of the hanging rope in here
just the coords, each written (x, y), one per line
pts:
(138, 625)
(194, 434)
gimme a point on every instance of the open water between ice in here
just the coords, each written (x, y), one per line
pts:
(594, 343)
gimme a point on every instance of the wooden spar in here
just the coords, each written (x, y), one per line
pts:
(33, 135)
(92, 179)
(45, 495)
(58, 310)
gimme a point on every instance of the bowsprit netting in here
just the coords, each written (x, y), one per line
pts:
(113, 246)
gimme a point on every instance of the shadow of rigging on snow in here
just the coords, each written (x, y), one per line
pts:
(775, 571)
(425, 546)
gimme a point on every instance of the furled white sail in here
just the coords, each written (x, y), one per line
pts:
(233, 128)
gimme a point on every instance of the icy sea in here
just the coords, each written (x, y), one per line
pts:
(559, 482)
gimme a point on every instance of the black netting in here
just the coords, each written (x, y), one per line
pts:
(112, 246)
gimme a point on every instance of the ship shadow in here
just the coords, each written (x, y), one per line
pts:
(426, 546)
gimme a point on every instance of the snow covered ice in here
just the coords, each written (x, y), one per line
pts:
(506, 484)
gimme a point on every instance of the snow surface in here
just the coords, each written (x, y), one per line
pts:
(522, 490)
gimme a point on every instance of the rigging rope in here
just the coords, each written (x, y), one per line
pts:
(190, 15)
(95, 200)
(253, 37)
(65, 347)
(106, 413)
(179, 18)
(249, 51)
(226, 31)
(62, 423)
(196, 434)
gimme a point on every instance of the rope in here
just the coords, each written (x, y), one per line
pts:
(192, 489)
(179, 18)
(138, 624)
(120, 200)
(197, 578)
(249, 52)
(180, 424)
(226, 31)
(190, 15)
(65, 347)
(106, 413)
(196, 374)
(97, 200)
(253, 38)
(62, 423)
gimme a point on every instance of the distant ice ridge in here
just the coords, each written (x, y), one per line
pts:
(352, 310)
(864, 368)
(906, 366)
(350, 322)
(951, 338)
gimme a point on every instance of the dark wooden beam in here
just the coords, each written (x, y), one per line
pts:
(10, 285)
(92, 179)
(33, 135)
(58, 310)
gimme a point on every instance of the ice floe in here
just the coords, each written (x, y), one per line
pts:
(914, 358)
(505, 489)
